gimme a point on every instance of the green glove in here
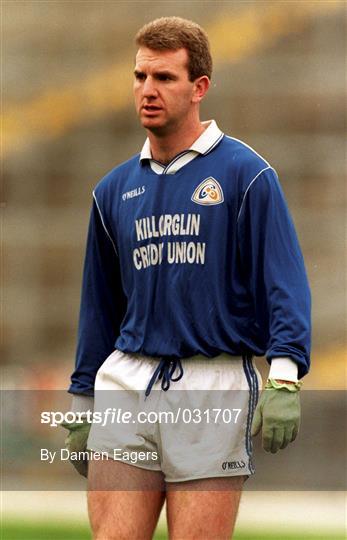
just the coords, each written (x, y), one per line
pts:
(76, 441)
(278, 414)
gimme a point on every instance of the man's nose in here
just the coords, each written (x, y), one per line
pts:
(149, 87)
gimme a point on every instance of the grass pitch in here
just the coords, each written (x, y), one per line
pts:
(67, 531)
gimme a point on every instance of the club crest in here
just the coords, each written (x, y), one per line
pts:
(208, 192)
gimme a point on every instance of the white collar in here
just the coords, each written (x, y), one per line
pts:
(203, 144)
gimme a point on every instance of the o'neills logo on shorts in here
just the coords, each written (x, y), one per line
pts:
(229, 465)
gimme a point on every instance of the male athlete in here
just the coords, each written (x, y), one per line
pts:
(192, 268)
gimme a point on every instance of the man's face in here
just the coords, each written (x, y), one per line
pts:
(162, 89)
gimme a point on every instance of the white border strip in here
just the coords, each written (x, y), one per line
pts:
(103, 224)
(254, 179)
(250, 148)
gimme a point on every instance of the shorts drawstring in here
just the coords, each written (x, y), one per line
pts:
(165, 370)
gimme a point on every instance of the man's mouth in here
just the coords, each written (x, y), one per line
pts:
(151, 108)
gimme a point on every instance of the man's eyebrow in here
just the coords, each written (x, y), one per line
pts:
(165, 72)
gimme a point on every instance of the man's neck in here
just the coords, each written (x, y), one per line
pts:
(165, 148)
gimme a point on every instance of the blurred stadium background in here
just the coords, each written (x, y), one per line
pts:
(279, 83)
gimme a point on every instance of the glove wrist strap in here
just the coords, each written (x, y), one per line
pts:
(290, 386)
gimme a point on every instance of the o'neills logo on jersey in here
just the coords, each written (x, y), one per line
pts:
(208, 192)
(133, 193)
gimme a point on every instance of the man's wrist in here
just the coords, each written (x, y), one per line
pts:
(283, 368)
(81, 403)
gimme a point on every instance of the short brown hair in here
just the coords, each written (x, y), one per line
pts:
(174, 33)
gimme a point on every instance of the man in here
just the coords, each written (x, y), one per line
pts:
(192, 267)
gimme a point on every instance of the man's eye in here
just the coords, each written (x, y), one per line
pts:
(140, 76)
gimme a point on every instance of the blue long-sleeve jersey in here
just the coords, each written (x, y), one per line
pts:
(202, 261)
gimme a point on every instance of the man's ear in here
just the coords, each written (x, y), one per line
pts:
(201, 85)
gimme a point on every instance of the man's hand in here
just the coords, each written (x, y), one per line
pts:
(278, 414)
(76, 441)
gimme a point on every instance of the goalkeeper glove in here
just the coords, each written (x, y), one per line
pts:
(278, 414)
(76, 441)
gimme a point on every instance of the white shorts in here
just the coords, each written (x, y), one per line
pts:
(199, 428)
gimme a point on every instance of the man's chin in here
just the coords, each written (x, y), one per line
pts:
(155, 126)
(148, 121)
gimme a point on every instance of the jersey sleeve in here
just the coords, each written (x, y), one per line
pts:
(274, 269)
(102, 304)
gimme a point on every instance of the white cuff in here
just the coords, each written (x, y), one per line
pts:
(81, 403)
(283, 368)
